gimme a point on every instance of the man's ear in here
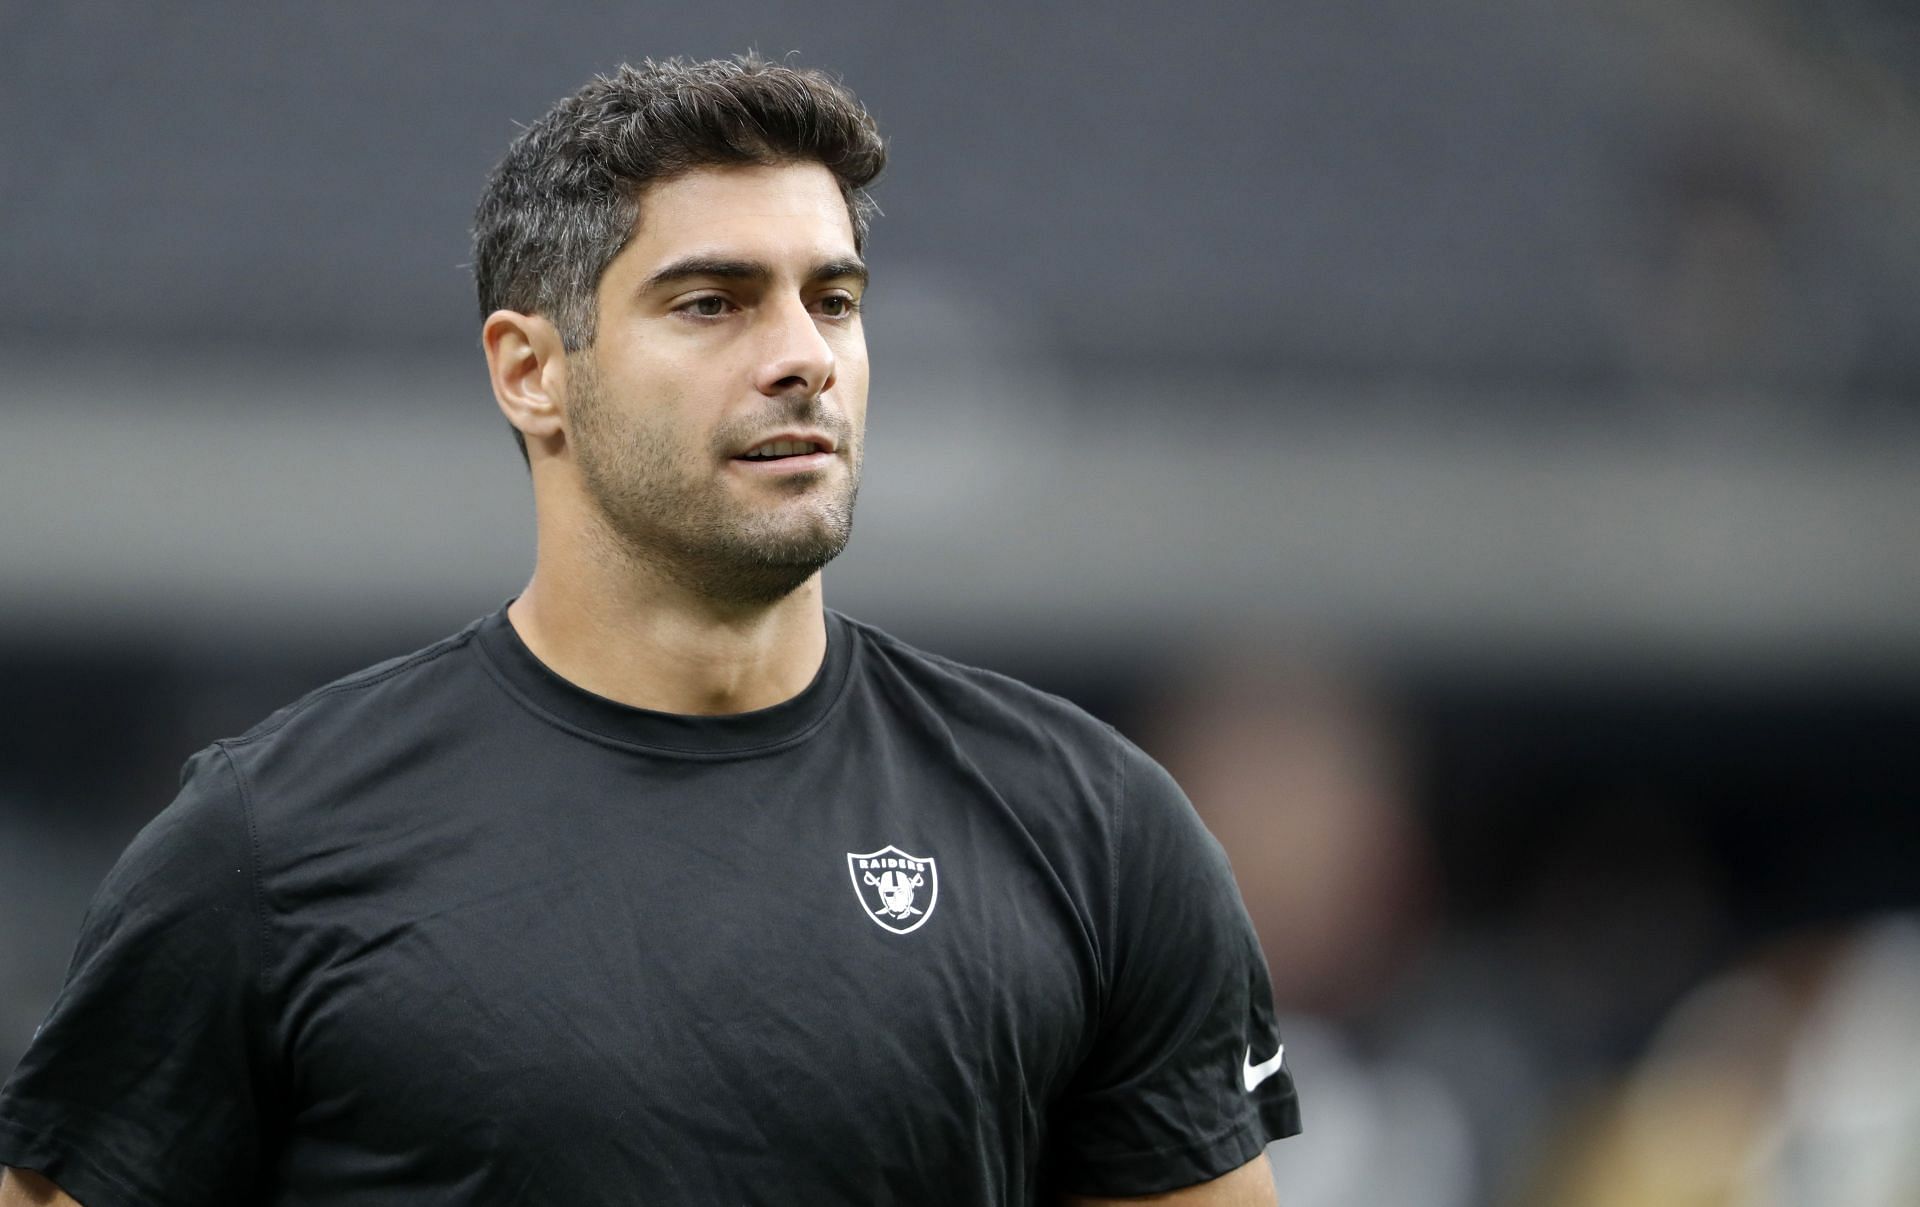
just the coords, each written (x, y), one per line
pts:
(527, 362)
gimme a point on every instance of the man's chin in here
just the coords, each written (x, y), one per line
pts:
(754, 583)
(766, 566)
(742, 554)
(802, 553)
(798, 532)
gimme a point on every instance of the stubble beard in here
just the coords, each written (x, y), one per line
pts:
(666, 508)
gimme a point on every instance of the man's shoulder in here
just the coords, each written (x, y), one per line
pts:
(983, 700)
(399, 691)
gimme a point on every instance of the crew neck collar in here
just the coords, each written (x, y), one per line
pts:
(544, 691)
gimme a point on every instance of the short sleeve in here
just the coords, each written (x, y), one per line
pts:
(1187, 1079)
(143, 1087)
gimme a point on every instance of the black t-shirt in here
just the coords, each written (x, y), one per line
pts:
(454, 931)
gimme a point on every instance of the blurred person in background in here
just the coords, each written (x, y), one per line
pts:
(1793, 1077)
(1298, 767)
(663, 880)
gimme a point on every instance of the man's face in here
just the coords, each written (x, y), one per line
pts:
(729, 320)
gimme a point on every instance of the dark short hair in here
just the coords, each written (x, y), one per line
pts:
(566, 197)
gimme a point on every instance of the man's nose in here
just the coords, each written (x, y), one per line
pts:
(798, 356)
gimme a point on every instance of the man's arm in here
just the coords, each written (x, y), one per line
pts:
(24, 1188)
(150, 1077)
(1251, 1185)
(1169, 1094)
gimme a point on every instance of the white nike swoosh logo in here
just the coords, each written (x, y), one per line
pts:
(1254, 1074)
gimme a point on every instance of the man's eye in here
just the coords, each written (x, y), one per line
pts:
(708, 308)
(838, 306)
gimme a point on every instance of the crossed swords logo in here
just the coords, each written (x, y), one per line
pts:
(888, 893)
(896, 891)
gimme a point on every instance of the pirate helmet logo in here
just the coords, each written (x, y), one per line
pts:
(897, 890)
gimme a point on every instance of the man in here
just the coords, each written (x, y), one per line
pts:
(664, 884)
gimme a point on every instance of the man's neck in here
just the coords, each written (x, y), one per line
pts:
(651, 645)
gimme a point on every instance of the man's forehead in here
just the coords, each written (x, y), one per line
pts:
(785, 215)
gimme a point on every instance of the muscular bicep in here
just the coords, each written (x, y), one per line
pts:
(1251, 1185)
(24, 1188)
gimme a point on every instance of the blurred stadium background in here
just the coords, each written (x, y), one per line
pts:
(1472, 442)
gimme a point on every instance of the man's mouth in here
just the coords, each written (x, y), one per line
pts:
(780, 450)
(790, 454)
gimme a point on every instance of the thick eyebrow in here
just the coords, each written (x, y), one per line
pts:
(850, 269)
(693, 268)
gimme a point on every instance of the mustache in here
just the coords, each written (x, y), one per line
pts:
(782, 413)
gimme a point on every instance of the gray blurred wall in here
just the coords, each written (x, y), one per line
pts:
(1477, 327)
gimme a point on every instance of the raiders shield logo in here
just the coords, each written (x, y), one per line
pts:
(897, 890)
